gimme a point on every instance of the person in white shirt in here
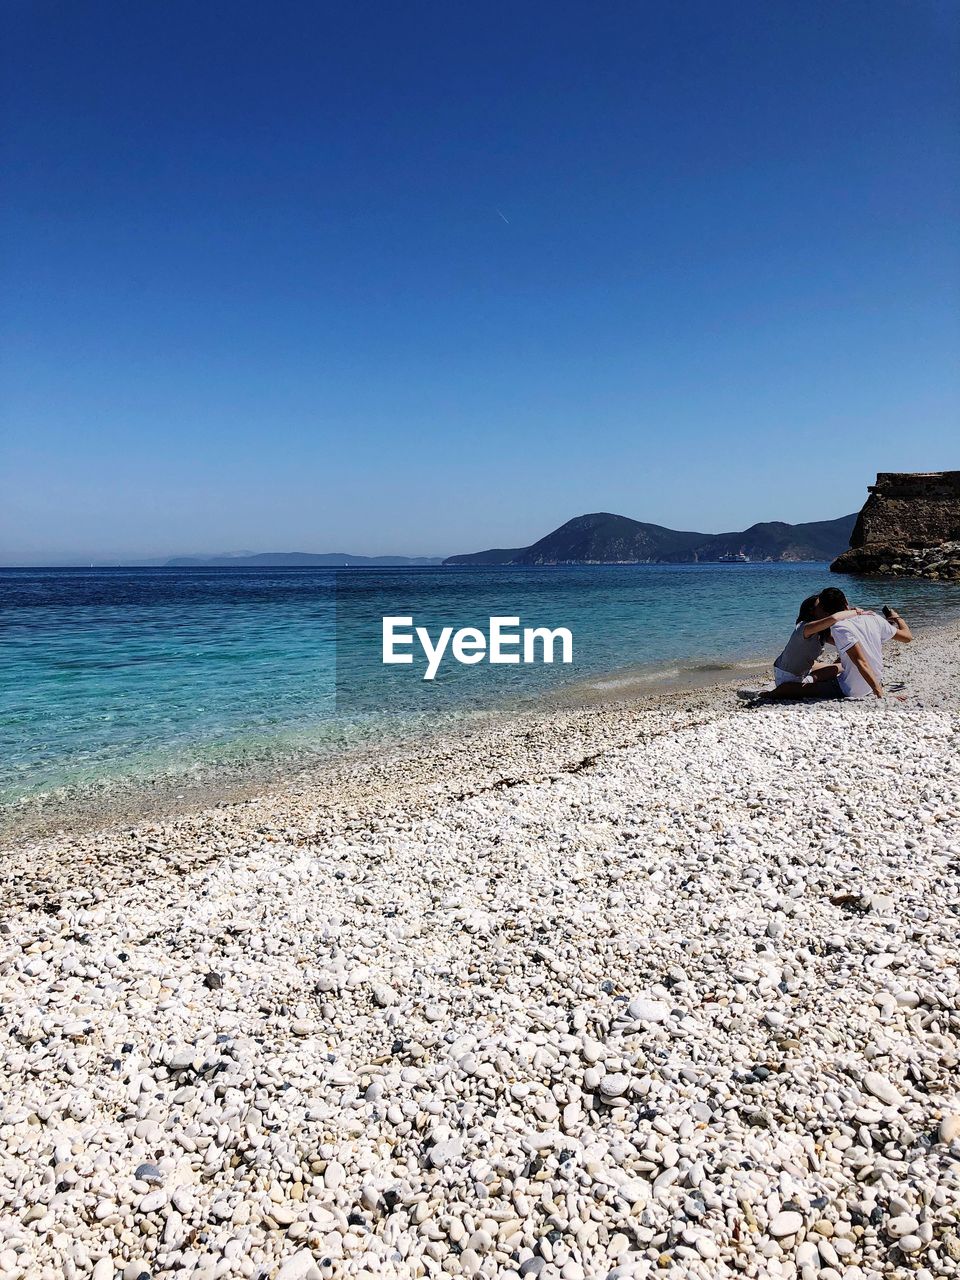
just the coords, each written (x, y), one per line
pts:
(798, 673)
(859, 642)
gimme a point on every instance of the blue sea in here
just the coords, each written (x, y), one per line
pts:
(169, 678)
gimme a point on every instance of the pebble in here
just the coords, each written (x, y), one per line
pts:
(902, 1225)
(614, 1085)
(642, 1009)
(383, 995)
(785, 1223)
(298, 1267)
(882, 1088)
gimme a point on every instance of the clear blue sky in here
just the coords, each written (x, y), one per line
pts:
(428, 278)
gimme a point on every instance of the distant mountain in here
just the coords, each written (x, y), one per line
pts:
(298, 560)
(775, 540)
(602, 538)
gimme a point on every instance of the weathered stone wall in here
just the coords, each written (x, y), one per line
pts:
(910, 525)
(917, 509)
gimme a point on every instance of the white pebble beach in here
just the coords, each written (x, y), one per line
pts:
(665, 988)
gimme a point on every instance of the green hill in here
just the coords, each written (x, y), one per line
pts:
(603, 538)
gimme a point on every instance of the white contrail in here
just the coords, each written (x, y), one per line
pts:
(506, 220)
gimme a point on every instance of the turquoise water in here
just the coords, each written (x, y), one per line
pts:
(143, 675)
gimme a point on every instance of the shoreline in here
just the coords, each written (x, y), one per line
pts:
(573, 711)
(138, 801)
(409, 776)
(558, 732)
(660, 987)
(158, 785)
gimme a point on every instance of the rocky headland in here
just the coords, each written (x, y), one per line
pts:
(908, 527)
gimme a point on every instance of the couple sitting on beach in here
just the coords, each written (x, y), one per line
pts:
(858, 635)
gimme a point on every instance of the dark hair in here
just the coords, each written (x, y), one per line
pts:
(808, 609)
(832, 600)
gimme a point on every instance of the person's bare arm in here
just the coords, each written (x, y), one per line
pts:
(903, 632)
(824, 624)
(859, 660)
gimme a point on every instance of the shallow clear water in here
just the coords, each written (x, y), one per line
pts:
(115, 674)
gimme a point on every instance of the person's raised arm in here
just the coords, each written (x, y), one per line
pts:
(824, 624)
(859, 659)
(903, 632)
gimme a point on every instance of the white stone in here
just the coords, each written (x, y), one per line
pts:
(643, 1009)
(903, 1225)
(383, 995)
(882, 1088)
(298, 1267)
(785, 1223)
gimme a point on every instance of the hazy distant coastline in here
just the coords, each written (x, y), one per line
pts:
(298, 560)
(596, 538)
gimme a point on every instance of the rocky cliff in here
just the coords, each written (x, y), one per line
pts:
(909, 526)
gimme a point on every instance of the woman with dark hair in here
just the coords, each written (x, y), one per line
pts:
(797, 671)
